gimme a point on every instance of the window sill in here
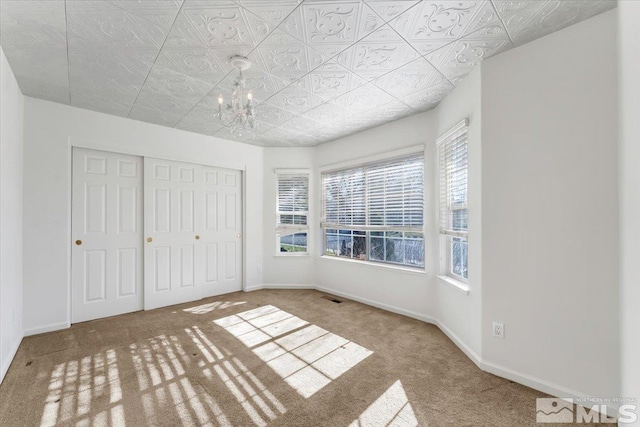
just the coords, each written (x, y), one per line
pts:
(455, 284)
(417, 271)
(292, 255)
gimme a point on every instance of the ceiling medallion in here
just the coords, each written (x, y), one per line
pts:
(237, 115)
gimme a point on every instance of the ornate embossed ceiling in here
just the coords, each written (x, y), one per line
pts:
(322, 68)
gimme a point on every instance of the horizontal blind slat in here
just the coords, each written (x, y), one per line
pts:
(384, 194)
(453, 154)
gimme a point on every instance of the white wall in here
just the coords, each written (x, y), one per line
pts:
(459, 314)
(629, 157)
(11, 102)
(49, 129)
(288, 271)
(404, 291)
(550, 208)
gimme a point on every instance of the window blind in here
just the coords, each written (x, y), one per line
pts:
(452, 149)
(292, 201)
(386, 195)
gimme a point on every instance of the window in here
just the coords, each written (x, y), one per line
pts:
(452, 152)
(292, 211)
(375, 212)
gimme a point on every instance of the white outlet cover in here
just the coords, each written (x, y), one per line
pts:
(498, 330)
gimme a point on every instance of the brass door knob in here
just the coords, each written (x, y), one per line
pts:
(149, 239)
(78, 242)
(239, 235)
(197, 237)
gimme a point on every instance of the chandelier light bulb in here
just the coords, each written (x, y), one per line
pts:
(250, 95)
(220, 99)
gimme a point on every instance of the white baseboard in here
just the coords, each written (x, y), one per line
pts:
(47, 328)
(475, 357)
(7, 362)
(385, 307)
(492, 368)
(278, 286)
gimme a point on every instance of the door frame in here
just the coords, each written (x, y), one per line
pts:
(135, 151)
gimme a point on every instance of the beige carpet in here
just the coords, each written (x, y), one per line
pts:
(282, 358)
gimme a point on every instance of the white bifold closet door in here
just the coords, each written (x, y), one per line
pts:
(106, 258)
(193, 240)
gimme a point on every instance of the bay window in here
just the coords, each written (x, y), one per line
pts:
(375, 212)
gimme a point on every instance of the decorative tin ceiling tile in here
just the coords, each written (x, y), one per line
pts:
(284, 55)
(272, 114)
(328, 113)
(553, 16)
(33, 25)
(247, 138)
(444, 19)
(457, 60)
(377, 54)
(127, 67)
(148, 4)
(90, 101)
(162, 104)
(364, 98)
(321, 69)
(301, 124)
(337, 22)
(158, 117)
(166, 82)
(389, 9)
(228, 25)
(430, 96)
(183, 34)
(331, 80)
(200, 63)
(411, 78)
(104, 88)
(273, 12)
(197, 125)
(43, 88)
(45, 78)
(295, 99)
(120, 29)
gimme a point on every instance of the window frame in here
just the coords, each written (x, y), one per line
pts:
(292, 229)
(446, 238)
(368, 229)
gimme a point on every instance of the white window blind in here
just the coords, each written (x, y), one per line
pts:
(292, 201)
(381, 196)
(452, 149)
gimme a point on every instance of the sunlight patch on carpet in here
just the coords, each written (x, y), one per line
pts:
(390, 409)
(306, 356)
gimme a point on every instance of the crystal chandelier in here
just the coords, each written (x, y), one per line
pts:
(238, 115)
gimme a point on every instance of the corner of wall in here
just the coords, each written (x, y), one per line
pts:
(11, 215)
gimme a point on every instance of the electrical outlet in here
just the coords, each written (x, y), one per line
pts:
(259, 269)
(498, 330)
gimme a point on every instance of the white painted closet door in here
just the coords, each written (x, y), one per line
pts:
(106, 263)
(221, 235)
(173, 214)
